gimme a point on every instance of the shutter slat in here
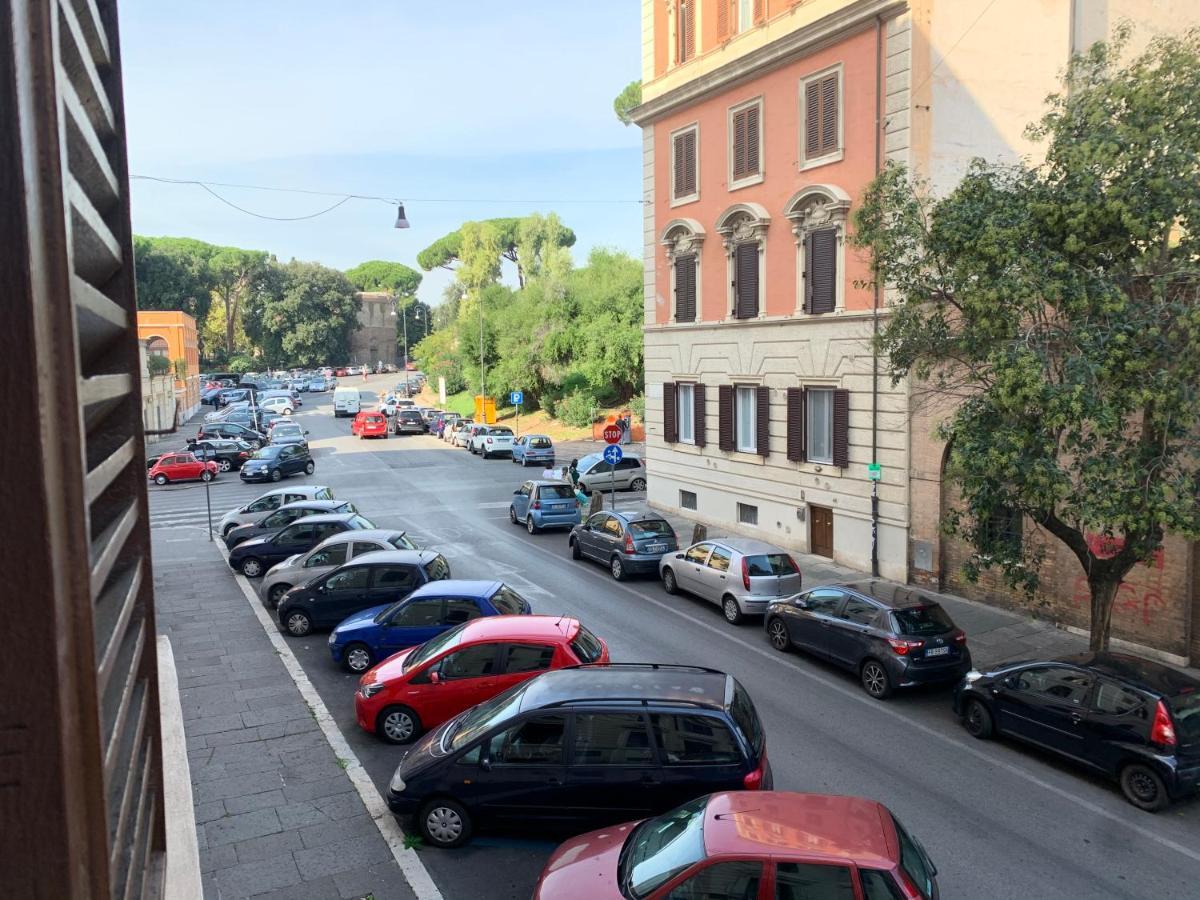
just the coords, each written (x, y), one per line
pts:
(760, 11)
(829, 114)
(689, 163)
(678, 179)
(739, 145)
(796, 449)
(723, 19)
(80, 67)
(114, 609)
(746, 264)
(841, 428)
(99, 478)
(762, 421)
(687, 16)
(107, 547)
(821, 284)
(812, 119)
(698, 415)
(87, 159)
(125, 703)
(103, 388)
(753, 162)
(95, 251)
(131, 787)
(670, 425)
(93, 31)
(685, 289)
(725, 417)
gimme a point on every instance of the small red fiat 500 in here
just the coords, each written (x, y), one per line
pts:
(424, 686)
(182, 467)
(370, 424)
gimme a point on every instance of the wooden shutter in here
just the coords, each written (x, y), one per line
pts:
(820, 281)
(746, 281)
(821, 116)
(723, 30)
(797, 448)
(680, 166)
(752, 144)
(670, 423)
(685, 288)
(739, 145)
(760, 11)
(841, 428)
(698, 412)
(684, 158)
(725, 417)
(687, 29)
(762, 421)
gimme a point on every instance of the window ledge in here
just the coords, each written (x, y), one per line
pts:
(746, 456)
(748, 181)
(684, 201)
(827, 159)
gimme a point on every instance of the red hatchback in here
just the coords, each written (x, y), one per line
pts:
(424, 686)
(370, 424)
(750, 845)
(182, 467)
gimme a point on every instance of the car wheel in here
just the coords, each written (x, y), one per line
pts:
(530, 525)
(276, 475)
(160, 479)
(638, 484)
(875, 679)
(576, 553)
(777, 634)
(310, 467)
(486, 455)
(669, 584)
(617, 568)
(1143, 787)
(512, 515)
(206, 475)
(977, 720)
(444, 823)
(297, 623)
(357, 658)
(276, 593)
(733, 612)
(252, 567)
(397, 725)
(224, 465)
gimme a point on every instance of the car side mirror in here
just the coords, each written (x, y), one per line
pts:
(801, 603)
(679, 556)
(1011, 682)
(306, 431)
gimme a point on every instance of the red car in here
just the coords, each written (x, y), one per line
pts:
(753, 845)
(370, 424)
(424, 686)
(182, 467)
(340, 372)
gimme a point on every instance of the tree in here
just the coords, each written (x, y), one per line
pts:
(625, 102)
(172, 273)
(448, 251)
(1059, 306)
(380, 275)
(237, 277)
(307, 316)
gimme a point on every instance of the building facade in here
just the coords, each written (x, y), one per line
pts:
(375, 338)
(172, 334)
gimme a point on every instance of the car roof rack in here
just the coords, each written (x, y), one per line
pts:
(672, 667)
(642, 701)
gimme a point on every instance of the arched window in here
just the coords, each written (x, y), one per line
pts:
(818, 215)
(156, 346)
(743, 230)
(683, 239)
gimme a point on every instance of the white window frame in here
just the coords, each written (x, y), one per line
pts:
(743, 223)
(840, 153)
(743, 510)
(762, 150)
(684, 237)
(673, 29)
(694, 196)
(751, 445)
(745, 11)
(808, 424)
(687, 389)
(813, 208)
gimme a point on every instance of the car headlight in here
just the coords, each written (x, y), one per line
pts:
(370, 690)
(396, 785)
(973, 676)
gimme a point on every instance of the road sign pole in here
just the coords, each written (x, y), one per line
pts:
(208, 503)
(874, 527)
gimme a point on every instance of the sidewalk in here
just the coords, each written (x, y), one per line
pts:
(276, 813)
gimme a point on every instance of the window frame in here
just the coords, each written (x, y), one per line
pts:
(652, 760)
(808, 424)
(684, 199)
(806, 162)
(738, 444)
(732, 112)
(685, 389)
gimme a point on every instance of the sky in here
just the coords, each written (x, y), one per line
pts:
(463, 110)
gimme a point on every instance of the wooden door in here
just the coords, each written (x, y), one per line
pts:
(820, 531)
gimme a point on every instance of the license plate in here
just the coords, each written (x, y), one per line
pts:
(938, 651)
(656, 548)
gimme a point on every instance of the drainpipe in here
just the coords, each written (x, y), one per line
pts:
(875, 309)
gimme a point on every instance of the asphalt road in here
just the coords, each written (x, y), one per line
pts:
(1000, 820)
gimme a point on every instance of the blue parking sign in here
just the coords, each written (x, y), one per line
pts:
(612, 454)
(516, 398)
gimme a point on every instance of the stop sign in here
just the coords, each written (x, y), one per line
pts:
(612, 434)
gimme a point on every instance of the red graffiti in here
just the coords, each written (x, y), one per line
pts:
(1140, 594)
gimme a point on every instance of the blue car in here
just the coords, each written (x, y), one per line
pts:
(374, 634)
(544, 504)
(533, 449)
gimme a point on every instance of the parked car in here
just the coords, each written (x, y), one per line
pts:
(233, 395)
(544, 504)
(475, 429)
(1131, 719)
(629, 542)
(376, 633)
(232, 431)
(733, 844)
(284, 516)
(533, 449)
(890, 636)
(596, 474)
(370, 424)
(347, 401)
(445, 422)
(645, 738)
(493, 440)
(182, 466)
(418, 689)
(271, 500)
(408, 421)
(276, 461)
(371, 580)
(286, 432)
(461, 436)
(223, 414)
(255, 556)
(327, 556)
(208, 396)
(740, 575)
(227, 454)
(282, 405)
(318, 385)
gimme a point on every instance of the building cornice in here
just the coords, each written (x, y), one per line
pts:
(786, 49)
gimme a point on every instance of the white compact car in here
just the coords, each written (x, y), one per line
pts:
(282, 405)
(494, 441)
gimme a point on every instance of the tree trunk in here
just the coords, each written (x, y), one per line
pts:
(1104, 592)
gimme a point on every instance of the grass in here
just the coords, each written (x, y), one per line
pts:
(343, 764)
(412, 841)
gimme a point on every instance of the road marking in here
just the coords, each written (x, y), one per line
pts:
(410, 863)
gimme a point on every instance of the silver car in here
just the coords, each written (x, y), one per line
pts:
(269, 502)
(326, 556)
(595, 474)
(740, 574)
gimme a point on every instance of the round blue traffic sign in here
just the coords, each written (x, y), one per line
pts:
(612, 454)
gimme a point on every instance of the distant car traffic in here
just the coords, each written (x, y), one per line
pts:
(741, 575)
(284, 516)
(252, 558)
(271, 500)
(182, 466)
(544, 504)
(533, 450)
(595, 474)
(318, 385)
(327, 556)
(277, 461)
(628, 542)
(370, 424)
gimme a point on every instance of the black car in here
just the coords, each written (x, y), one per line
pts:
(409, 421)
(208, 396)
(233, 432)
(629, 542)
(276, 461)
(289, 433)
(373, 579)
(284, 516)
(1131, 719)
(255, 556)
(589, 745)
(891, 636)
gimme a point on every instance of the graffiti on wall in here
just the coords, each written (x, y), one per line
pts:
(1140, 597)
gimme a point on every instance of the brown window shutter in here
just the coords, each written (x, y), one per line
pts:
(678, 182)
(760, 11)
(820, 284)
(805, 277)
(687, 29)
(746, 284)
(698, 423)
(723, 19)
(685, 289)
(753, 163)
(797, 448)
(812, 119)
(689, 163)
(725, 417)
(829, 114)
(841, 428)
(739, 145)
(762, 421)
(670, 426)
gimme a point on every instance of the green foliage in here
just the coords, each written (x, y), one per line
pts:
(172, 273)
(381, 275)
(157, 365)
(241, 362)
(637, 406)
(180, 368)
(625, 101)
(480, 246)
(307, 318)
(1060, 305)
(578, 408)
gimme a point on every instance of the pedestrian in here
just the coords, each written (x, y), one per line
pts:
(627, 429)
(573, 473)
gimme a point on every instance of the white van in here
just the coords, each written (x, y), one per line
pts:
(346, 402)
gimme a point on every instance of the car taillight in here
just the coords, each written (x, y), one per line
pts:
(1162, 732)
(629, 543)
(489, 440)
(960, 638)
(243, 455)
(902, 647)
(537, 504)
(795, 566)
(753, 780)
(745, 573)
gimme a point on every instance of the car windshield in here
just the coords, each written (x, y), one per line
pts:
(401, 542)
(767, 564)
(661, 848)
(358, 523)
(587, 646)
(483, 717)
(1186, 711)
(556, 492)
(287, 430)
(539, 443)
(431, 647)
(651, 527)
(267, 453)
(746, 716)
(507, 601)
(923, 620)
(503, 432)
